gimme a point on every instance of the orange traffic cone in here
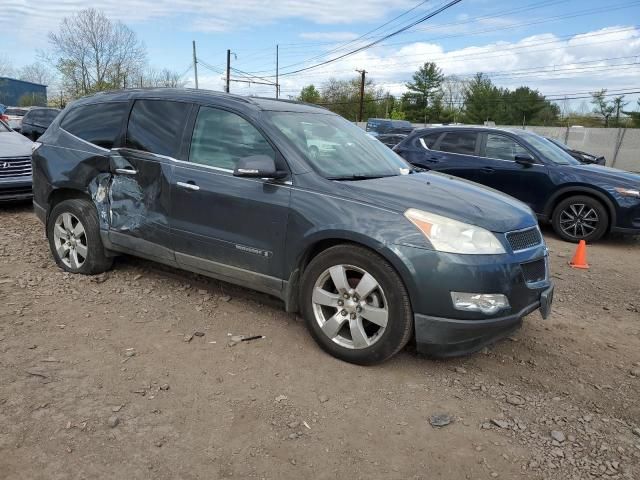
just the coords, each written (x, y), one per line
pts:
(580, 258)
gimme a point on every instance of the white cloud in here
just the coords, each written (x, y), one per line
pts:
(329, 36)
(29, 18)
(547, 62)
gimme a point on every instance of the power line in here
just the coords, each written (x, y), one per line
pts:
(455, 58)
(375, 42)
(491, 30)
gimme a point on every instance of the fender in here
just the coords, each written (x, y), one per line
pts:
(329, 237)
(581, 190)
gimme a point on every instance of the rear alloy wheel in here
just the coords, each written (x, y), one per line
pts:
(355, 305)
(73, 231)
(70, 240)
(580, 218)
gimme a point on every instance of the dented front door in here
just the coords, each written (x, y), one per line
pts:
(139, 203)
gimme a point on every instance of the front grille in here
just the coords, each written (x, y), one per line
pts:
(535, 271)
(15, 167)
(524, 239)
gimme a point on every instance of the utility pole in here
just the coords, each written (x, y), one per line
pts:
(362, 73)
(277, 84)
(195, 63)
(228, 70)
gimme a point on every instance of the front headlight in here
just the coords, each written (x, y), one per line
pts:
(628, 192)
(449, 235)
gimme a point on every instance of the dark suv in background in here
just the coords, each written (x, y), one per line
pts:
(365, 248)
(583, 202)
(383, 126)
(37, 120)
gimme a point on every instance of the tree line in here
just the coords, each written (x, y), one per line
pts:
(90, 53)
(433, 97)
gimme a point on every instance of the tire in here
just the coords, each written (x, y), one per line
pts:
(353, 337)
(65, 238)
(592, 219)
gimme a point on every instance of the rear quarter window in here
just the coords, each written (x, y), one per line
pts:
(98, 123)
(156, 126)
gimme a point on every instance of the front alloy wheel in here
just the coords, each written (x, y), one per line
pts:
(580, 218)
(350, 306)
(355, 305)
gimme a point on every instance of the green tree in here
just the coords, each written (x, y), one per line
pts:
(309, 94)
(601, 106)
(482, 100)
(618, 105)
(398, 114)
(424, 96)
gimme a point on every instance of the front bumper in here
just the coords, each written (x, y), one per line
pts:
(442, 330)
(447, 337)
(14, 189)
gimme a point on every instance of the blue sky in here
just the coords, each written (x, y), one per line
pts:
(560, 47)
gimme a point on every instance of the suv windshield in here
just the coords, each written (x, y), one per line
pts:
(550, 150)
(336, 148)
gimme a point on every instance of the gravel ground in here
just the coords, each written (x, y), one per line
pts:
(136, 374)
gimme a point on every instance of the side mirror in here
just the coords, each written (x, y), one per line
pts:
(257, 166)
(525, 159)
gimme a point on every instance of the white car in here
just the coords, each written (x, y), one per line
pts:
(13, 116)
(15, 165)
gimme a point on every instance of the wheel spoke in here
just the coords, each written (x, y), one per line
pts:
(73, 259)
(320, 296)
(358, 335)
(59, 230)
(62, 250)
(366, 285)
(333, 325)
(339, 277)
(78, 231)
(66, 221)
(82, 250)
(376, 315)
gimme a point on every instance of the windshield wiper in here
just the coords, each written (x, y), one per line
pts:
(359, 177)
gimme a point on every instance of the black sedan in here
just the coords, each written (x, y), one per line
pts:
(582, 157)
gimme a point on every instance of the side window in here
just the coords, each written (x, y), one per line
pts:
(503, 148)
(459, 142)
(220, 138)
(98, 124)
(428, 141)
(156, 126)
(49, 116)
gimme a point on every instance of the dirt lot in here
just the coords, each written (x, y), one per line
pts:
(80, 354)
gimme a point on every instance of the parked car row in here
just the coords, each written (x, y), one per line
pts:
(30, 121)
(373, 247)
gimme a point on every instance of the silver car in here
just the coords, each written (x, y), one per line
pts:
(15, 165)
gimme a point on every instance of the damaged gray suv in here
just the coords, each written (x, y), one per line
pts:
(370, 251)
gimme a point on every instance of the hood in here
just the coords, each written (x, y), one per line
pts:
(599, 174)
(445, 195)
(13, 144)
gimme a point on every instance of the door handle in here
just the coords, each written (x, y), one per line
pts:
(189, 186)
(433, 159)
(126, 171)
(487, 170)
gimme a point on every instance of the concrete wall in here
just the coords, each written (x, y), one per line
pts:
(621, 147)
